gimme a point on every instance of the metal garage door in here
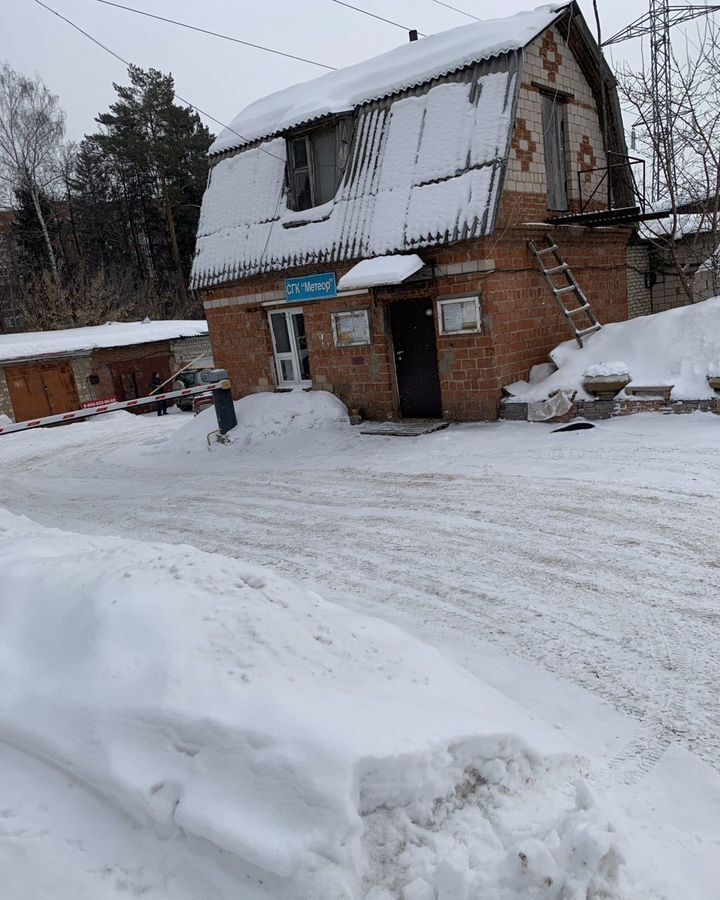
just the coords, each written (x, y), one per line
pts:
(41, 389)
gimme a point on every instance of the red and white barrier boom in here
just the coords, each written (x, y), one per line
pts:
(111, 407)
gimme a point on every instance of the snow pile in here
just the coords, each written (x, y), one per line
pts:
(380, 270)
(607, 370)
(112, 334)
(275, 739)
(266, 415)
(677, 347)
(404, 67)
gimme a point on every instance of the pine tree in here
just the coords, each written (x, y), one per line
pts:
(158, 152)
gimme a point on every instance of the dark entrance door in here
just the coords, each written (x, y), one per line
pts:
(413, 332)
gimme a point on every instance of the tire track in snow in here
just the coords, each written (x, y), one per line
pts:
(609, 586)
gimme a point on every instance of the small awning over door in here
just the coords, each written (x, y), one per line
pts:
(380, 270)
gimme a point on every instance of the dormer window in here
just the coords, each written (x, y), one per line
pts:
(316, 160)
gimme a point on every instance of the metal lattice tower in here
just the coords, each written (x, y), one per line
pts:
(661, 86)
(657, 23)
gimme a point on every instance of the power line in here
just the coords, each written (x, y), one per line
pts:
(455, 9)
(78, 28)
(366, 12)
(126, 63)
(225, 37)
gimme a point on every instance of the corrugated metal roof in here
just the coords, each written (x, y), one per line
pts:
(403, 68)
(423, 169)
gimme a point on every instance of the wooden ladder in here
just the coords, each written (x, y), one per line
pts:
(586, 324)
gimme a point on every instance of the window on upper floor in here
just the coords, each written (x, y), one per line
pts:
(553, 120)
(316, 161)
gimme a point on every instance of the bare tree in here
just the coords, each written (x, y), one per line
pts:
(687, 148)
(32, 126)
(91, 300)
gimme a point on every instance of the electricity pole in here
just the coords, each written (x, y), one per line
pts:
(656, 23)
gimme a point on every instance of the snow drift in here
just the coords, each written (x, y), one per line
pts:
(287, 747)
(264, 416)
(679, 347)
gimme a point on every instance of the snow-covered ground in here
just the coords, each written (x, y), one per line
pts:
(574, 573)
(230, 713)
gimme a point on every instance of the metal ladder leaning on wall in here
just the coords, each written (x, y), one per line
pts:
(579, 327)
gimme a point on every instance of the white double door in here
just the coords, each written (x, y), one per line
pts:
(292, 360)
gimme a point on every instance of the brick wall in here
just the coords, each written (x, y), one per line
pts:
(550, 62)
(82, 368)
(241, 343)
(359, 375)
(521, 315)
(521, 322)
(668, 291)
(595, 410)
(139, 359)
(185, 350)
(639, 296)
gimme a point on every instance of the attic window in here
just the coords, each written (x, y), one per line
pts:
(315, 164)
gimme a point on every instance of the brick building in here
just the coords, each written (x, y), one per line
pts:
(674, 262)
(367, 232)
(49, 372)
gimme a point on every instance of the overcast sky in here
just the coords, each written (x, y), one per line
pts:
(219, 76)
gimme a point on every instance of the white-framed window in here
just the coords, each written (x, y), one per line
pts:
(292, 360)
(351, 328)
(460, 315)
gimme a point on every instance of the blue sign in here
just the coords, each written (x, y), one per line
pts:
(310, 287)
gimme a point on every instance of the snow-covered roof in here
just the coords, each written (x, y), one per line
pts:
(422, 170)
(676, 227)
(112, 334)
(391, 269)
(404, 67)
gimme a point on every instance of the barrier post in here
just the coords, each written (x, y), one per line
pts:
(111, 406)
(224, 407)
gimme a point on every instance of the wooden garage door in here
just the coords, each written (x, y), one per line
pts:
(43, 389)
(132, 377)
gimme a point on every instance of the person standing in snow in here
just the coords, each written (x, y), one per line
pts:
(155, 383)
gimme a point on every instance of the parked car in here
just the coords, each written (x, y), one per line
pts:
(194, 378)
